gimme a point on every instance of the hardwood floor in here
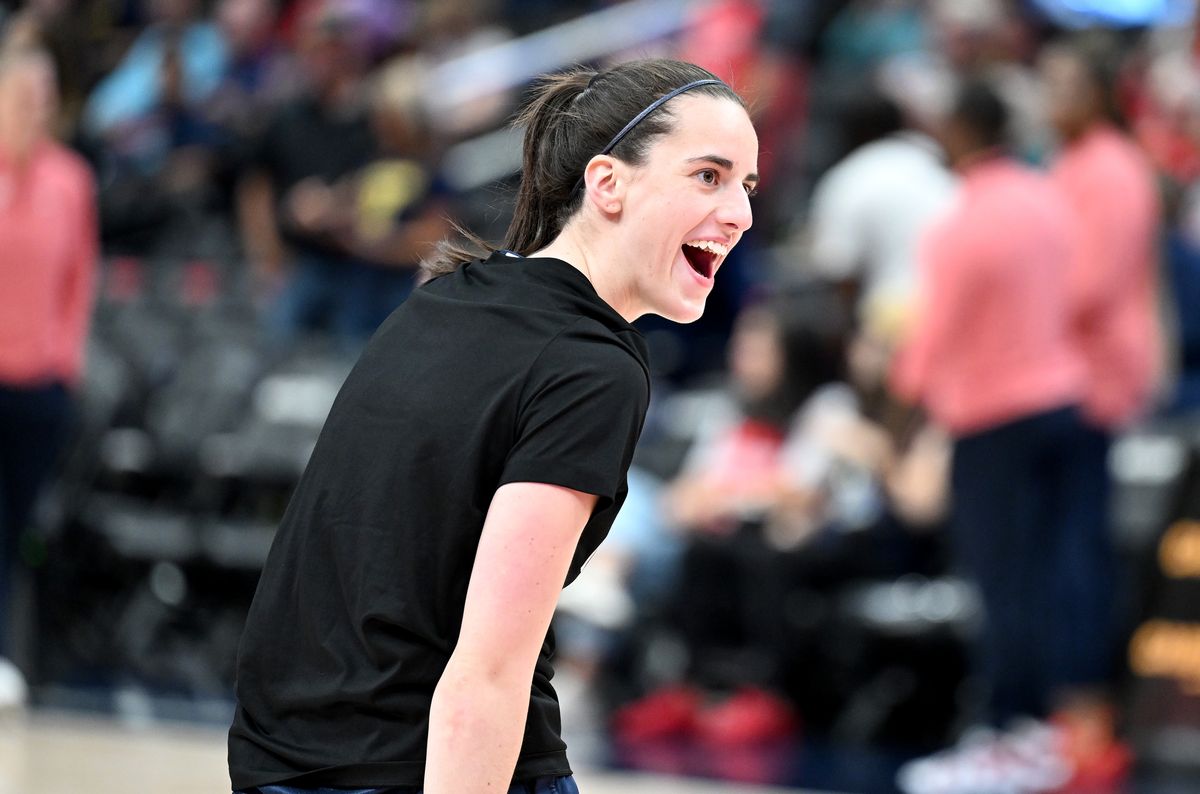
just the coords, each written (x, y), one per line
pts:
(45, 752)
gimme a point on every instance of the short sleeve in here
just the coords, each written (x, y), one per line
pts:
(582, 411)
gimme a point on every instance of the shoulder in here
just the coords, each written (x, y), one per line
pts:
(845, 181)
(1128, 165)
(585, 345)
(586, 362)
(1103, 155)
(1002, 184)
(70, 167)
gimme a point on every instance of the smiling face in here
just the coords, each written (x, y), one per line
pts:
(687, 205)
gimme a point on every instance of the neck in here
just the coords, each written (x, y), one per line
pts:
(598, 264)
(976, 156)
(1084, 129)
(17, 152)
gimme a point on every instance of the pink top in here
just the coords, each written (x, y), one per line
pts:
(990, 344)
(1110, 185)
(48, 249)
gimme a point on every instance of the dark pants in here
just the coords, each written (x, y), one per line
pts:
(542, 785)
(1030, 528)
(342, 296)
(33, 426)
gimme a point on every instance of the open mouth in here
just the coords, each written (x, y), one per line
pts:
(704, 256)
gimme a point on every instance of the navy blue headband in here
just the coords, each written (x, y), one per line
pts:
(653, 106)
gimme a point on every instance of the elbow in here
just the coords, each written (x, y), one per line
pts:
(465, 695)
(493, 672)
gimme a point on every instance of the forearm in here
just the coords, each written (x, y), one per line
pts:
(476, 724)
(405, 244)
(477, 718)
(79, 294)
(256, 217)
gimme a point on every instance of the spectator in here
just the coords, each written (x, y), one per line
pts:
(782, 357)
(78, 34)
(870, 210)
(992, 359)
(48, 248)
(398, 206)
(1113, 281)
(176, 63)
(260, 75)
(1113, 288)
(311, 150)
(146, 129)
(789, 494)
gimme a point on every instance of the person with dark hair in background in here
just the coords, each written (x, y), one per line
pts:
(293, 197)
(869, 213)
(992, 359)
(48, 251)
(145, 129)
(119, 105)
(756, 487)
(871, 208)
(1110, 184)
(476, 455)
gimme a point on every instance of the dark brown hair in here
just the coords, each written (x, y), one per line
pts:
(982, 111)
(1099, 54)
(571, 117)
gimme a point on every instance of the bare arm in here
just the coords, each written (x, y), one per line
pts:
(79, 288)
(405, 243)
(256, 216)
(480, 705)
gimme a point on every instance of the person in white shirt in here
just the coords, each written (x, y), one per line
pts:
(869, 211)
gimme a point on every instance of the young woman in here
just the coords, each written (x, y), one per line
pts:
(477, 454)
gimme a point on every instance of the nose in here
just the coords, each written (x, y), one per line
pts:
(735, 213)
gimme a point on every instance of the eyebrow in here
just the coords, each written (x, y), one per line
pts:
(724, 162)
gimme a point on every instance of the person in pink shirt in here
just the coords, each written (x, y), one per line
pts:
(1110, 184)
(1112, 288)
(991, 358)
(48, 249)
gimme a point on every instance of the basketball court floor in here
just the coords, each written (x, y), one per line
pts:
(61, 752)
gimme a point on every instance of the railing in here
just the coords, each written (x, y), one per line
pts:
(511, 64)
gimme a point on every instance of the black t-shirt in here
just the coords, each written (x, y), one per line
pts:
(507, 370)
(305, 140)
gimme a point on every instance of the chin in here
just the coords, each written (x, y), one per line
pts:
(682, 313)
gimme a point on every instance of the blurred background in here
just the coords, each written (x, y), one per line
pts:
(975, 215)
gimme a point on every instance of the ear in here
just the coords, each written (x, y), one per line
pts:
(605, 180)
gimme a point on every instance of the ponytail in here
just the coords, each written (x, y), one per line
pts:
(544, 200)
(528, 230)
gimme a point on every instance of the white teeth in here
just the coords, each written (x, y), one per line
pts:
(709, 245)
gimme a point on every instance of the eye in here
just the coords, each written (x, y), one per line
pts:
(751, 190)
(708, 176)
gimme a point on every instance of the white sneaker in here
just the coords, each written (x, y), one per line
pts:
(1020, 761)
(14, 692)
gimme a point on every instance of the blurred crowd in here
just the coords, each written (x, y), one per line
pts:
(871, 499)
